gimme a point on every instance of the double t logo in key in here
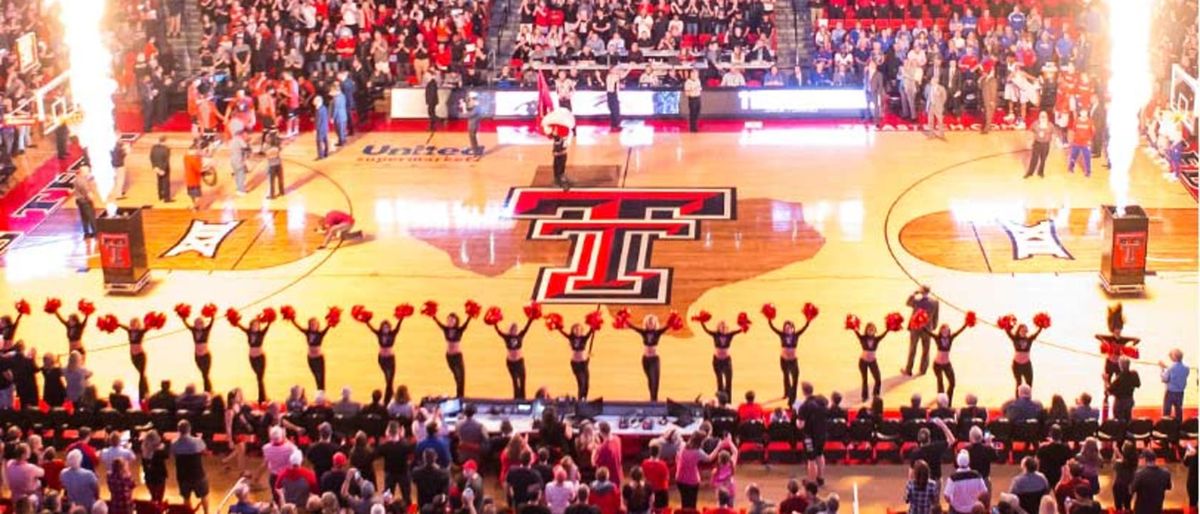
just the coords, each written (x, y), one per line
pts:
(612, 233)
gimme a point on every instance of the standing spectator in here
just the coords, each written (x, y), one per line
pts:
(988, 91)
(796, 500)
(238, 152)
(154, 465)
(935, 104)
(341, 114)
(758, 505)
(1082, 502)
(692, 89)
(474, 117)
(874, 90)
(812, 419)
(1175, 377)
(277, 454)
(921, 300)
(522, 483)
(1030, 485)
(321, 123)
(1072, 477)
(1043, 133)
(582, 504)
(604, 493)
(115, 451)
(658, 476)
(295, 483)
(608, 453)
(930, 450)
(687, 467)
(193, 170)
(560, 493)
(434, 441)
(1081, 144)
(120, 488)
(612, 90)
(120, 174)
(964, 487)
(1122, 386)
(80, 484)
(921, 493)
(24, 477)
(77, 377)
(637, 494)
(1125, 463)
(85, 195)
(274, 165)
(431, 99)
(189, 469)
(983, 454)
(431, 480)
(160, 160)
(396, 451)
(1150, 485)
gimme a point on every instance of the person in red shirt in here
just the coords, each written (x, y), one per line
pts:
(658, 477)
(750, 410)
(337, 224)
(1081, 144)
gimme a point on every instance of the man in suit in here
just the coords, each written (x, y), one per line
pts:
(988, 91)
(350, 93)
(160, 160)
(341, 113)
(921, 300)
(322, 126)
(935, 105)
(431, 98)
(873, 87)
(85, 201)
(953, 80)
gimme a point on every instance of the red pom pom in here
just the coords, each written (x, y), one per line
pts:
(356, 310)
(1041, 320)
(209, 310)
(810, 311)
(334, 316)
(365, 316)
(403, 310)
(1130, 351)
(493, 316)
(429, 309)
(743, 321)
(233, 316)
(768, 310)
(86, 307)
(288, 312)
(702, 316)
(852, 322)
(674, 321)
(533, 311)
(472, 309)
(970, 321)
(621, 318)
(160, 320)
(595, 319)
(107, 323)
(1007, 322)
(554, 321)
(267, 315)
(52, 305)
(918, 320)
(23, 307)
(148, 320)
(183, 310)
(894, 321)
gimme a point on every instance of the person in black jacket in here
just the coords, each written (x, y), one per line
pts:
(431, 99)
(160, 160)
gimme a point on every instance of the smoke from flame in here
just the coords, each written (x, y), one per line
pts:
(1129, 86)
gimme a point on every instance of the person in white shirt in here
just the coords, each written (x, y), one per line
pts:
(612, 89)
(692, 89)
(965, 486)
(733, 78)
(560, 493)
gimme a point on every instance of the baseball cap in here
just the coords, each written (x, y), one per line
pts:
(471, 465)
(339, 459)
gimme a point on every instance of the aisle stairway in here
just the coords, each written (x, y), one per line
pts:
(184, 46)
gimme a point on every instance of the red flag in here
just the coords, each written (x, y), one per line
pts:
(545, 103)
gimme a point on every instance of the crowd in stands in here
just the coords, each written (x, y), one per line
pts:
(659, 41)
(334, 456)
(19, 80)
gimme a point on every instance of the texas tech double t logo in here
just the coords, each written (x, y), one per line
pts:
(612, 233)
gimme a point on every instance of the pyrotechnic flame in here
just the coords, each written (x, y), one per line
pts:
(92, 84)
(1129, 85)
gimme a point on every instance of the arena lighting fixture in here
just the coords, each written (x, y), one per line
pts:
(92, 84)
(1129, 86)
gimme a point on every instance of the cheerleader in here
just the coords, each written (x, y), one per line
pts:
(256, 334)
(239, 426)
(452, 331)
(869, 340)
(200, 328)
(1113, 345)
(136, 331)
(314, 337)
(789, 337)
(722, 362)
(74, 324)
(385, 336)
(651, 332)
(944, 340)
(1022, 341)
(8, 325)
(513, 339)
(577, 339)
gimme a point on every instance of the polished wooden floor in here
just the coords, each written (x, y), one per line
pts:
(848, 219)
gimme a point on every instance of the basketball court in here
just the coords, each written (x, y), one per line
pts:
(850, 219)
